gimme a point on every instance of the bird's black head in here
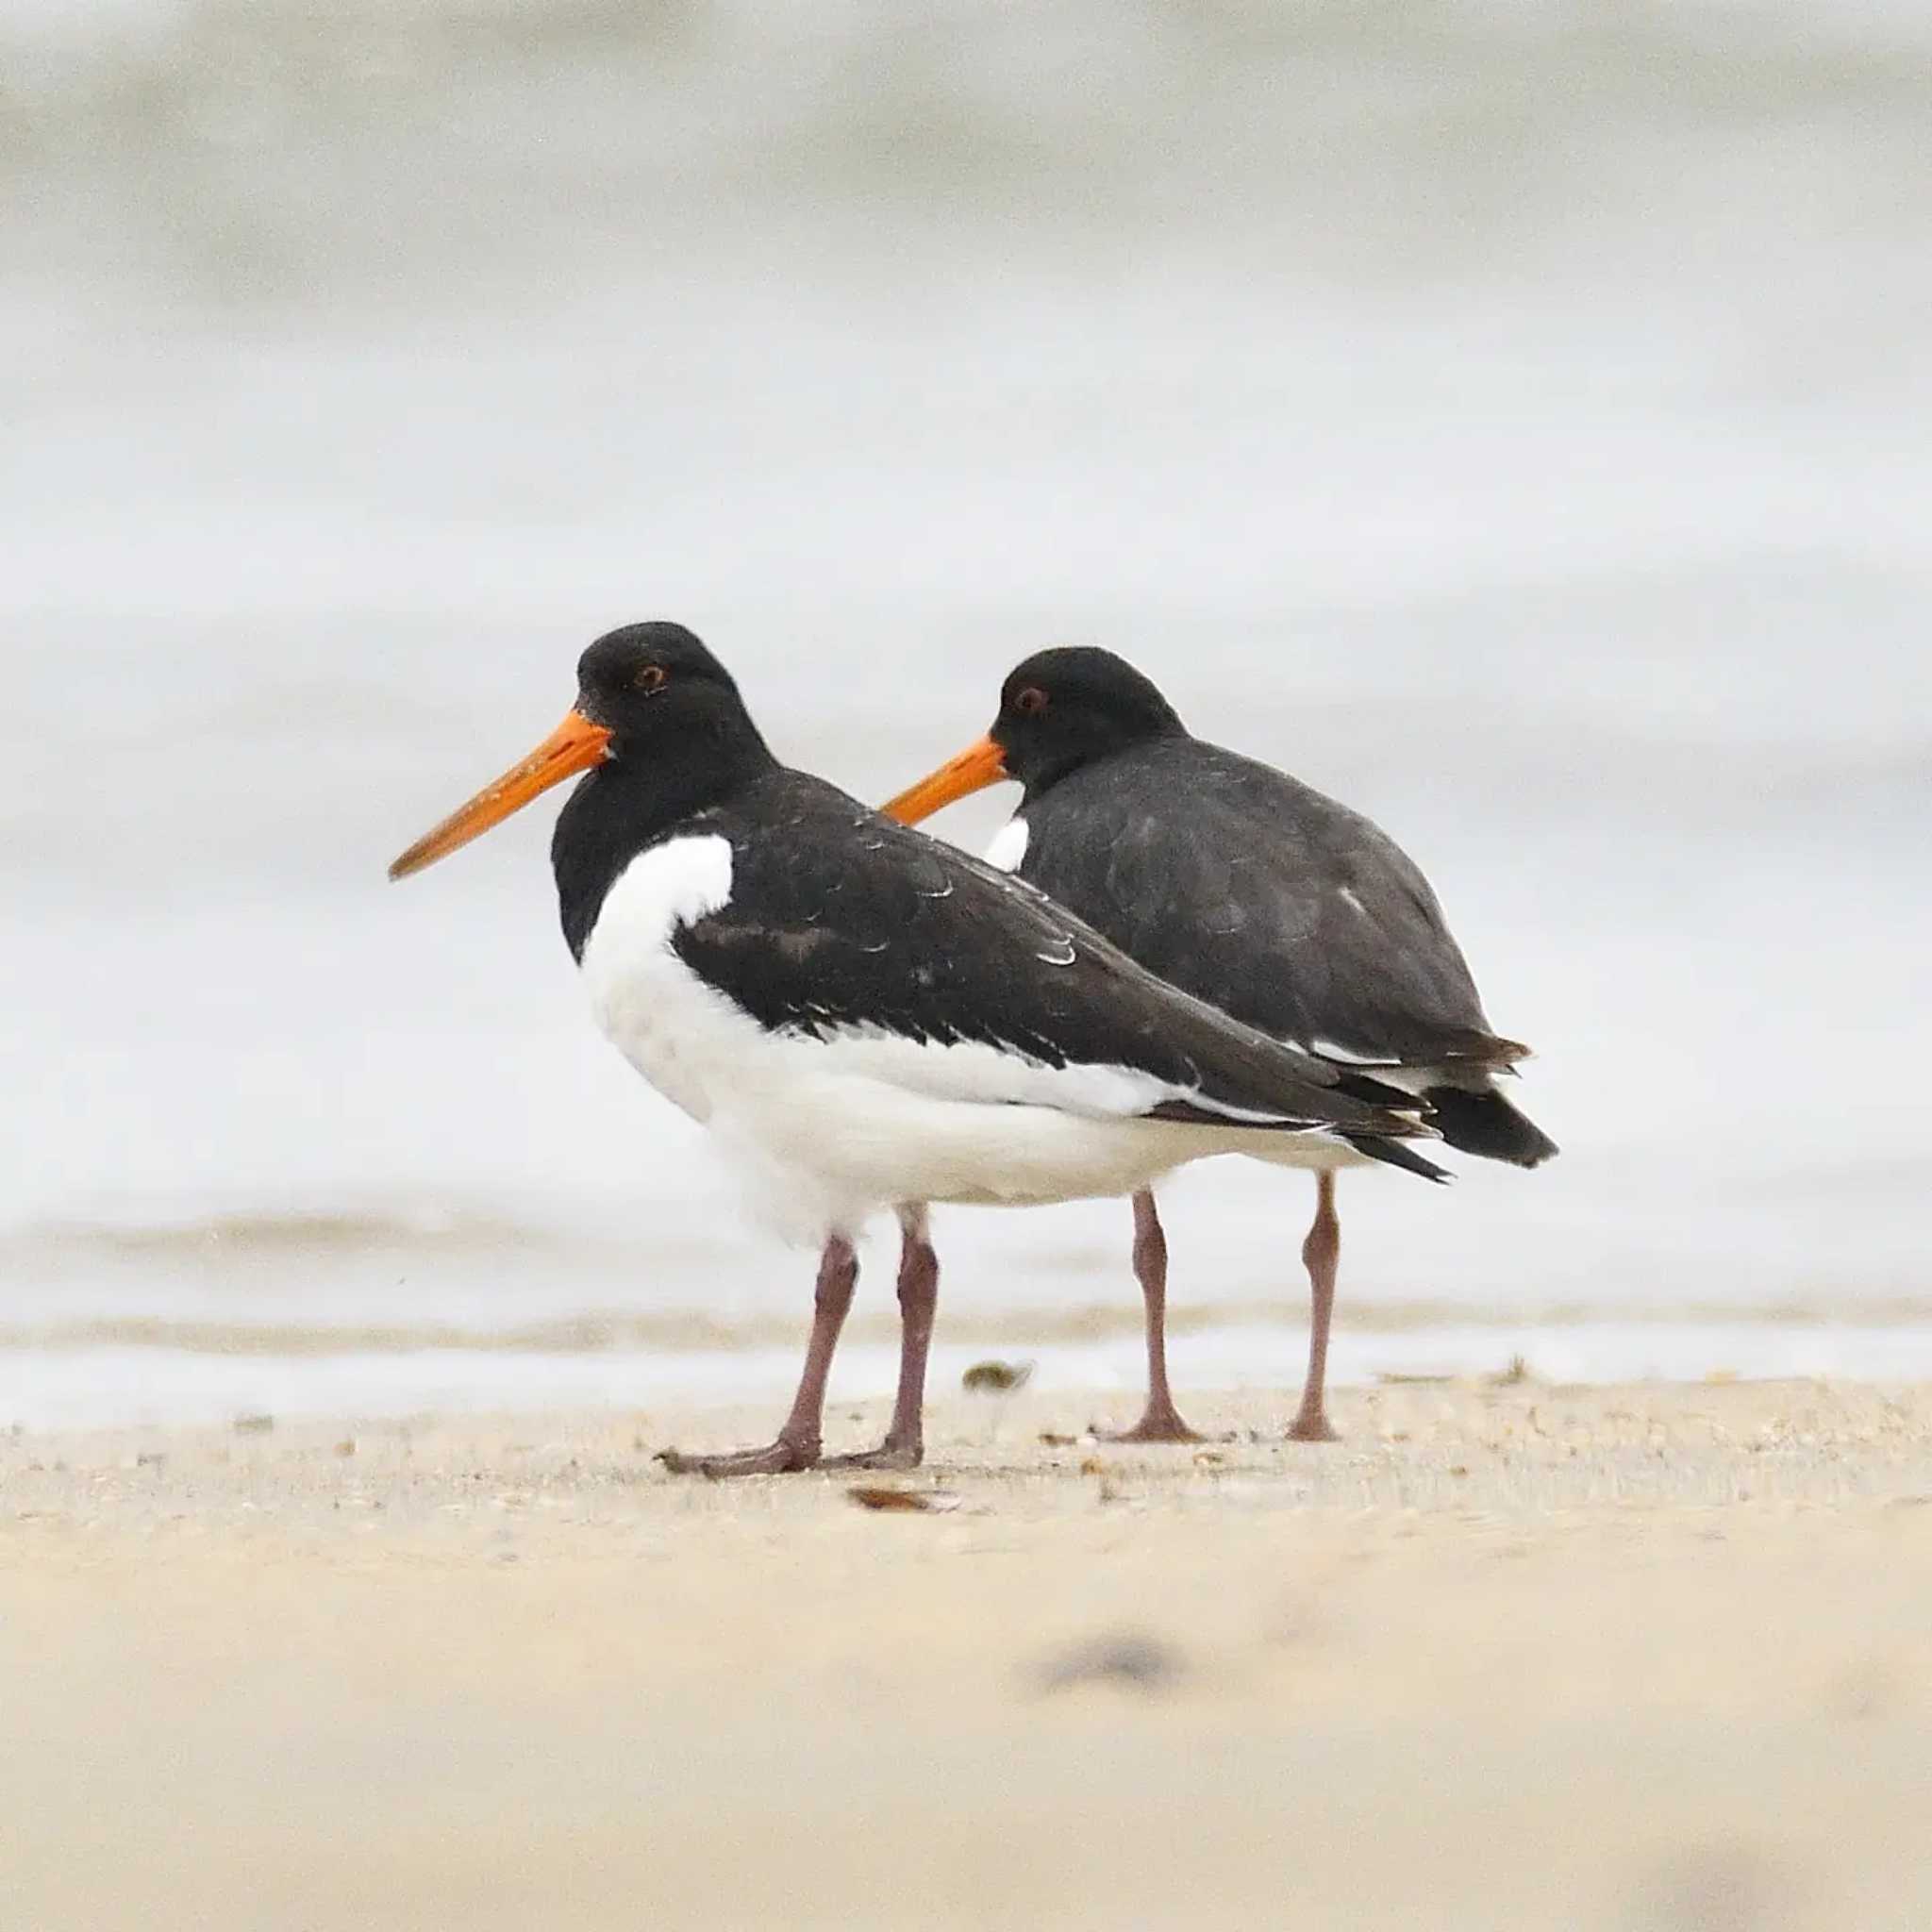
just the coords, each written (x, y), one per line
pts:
(658, 729)
(1063, 708)
(1060, 711)
(648, 685)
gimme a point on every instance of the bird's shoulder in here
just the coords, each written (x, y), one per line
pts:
(839, 916)
(806, 853)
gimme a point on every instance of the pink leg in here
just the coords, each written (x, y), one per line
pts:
(919, 1297)
(1161, 1420)
(797, 1445)
(1321, 1253)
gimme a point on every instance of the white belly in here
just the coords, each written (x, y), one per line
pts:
(827, 1130)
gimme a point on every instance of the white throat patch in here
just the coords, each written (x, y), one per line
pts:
(1007, 851)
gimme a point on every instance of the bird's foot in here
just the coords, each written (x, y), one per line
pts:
(1312, 1425)
(1161, 1424)
(779, 1458)
(889, 1455)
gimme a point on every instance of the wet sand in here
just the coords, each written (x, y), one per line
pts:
(1508, 1656)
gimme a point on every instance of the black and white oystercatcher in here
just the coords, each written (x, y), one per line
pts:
(1259, 895)
(867, 1018)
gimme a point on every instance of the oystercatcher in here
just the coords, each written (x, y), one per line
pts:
(1266, 899)
(867, 1018)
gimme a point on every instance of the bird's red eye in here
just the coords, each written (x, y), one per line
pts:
(1031, 700)
(652, 678)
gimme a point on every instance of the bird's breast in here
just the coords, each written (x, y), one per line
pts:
(680, 1033)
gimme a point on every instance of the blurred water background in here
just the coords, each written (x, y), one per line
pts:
(1509, 415)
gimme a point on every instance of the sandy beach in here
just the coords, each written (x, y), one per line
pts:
(1512, 420)
(1510, 1655)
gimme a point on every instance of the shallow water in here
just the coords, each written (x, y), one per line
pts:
(1510, 418)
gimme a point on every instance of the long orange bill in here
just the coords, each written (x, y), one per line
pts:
(574, 746)
(976, 768)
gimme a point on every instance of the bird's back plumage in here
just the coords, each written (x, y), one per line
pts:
(1285, 908)
(841, 920)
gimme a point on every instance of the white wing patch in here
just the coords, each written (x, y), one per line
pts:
(1007, 851)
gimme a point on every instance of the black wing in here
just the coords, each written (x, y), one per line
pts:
(841, 919)
(1264, 898)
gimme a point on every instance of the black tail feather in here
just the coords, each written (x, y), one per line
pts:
(1364, 1085)
(1397, 1154)
(1487, 1125)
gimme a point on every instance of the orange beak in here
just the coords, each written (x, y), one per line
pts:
(574, 746)
(976, 768)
